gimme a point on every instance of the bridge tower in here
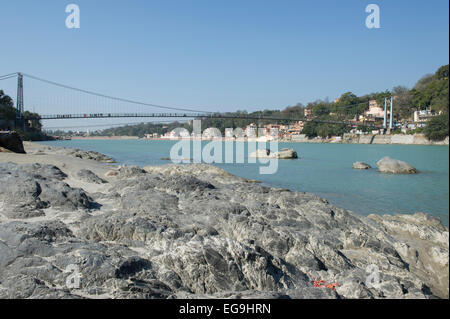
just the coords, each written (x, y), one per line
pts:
(391, 117)
(19, 101)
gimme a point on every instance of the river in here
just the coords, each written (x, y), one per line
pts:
(326, 170)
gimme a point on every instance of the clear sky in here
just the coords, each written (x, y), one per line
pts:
(225, 55)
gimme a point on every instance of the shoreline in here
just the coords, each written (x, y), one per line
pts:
(200, 208)
(397, 139)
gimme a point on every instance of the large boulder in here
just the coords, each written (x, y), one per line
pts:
(11, 141)
(394, 166)
(286, 153)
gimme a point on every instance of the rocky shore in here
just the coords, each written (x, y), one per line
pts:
(196, 231)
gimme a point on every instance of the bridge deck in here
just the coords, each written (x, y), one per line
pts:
(190, 116)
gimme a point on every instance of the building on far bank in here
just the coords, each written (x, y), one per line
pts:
(375, 111)
(228, 132)
(151, 135)
(176, 135)
(295, 129)
(211, 133)
(308, 112)
(423, 115)
(250, 130)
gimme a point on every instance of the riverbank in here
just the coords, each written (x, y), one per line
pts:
(193, 231)
(397, 139)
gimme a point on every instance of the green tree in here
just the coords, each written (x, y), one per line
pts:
(432, 91)
(437, 128)
(310, 129)
(442, 73)
(403, 106)
(7, 110)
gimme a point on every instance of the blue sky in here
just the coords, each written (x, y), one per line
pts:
(225, 55)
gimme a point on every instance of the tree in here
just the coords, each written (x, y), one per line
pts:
(320, 109)
(294, 111)
(7, 110)
(403, 106)
(313, 129)
(310, 129)
(442, 73)
(35, 123)
(432, 91)
(437, 128)
(424, 80)
(5, 100)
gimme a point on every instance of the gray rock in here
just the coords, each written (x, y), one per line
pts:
(45, 171)
(12, 142)
(425, 245)
(196, 231)
(393, 166)
(111, 173)
(27, 189)
(90, 177)
(130, 171)
(285, 153)
(91, 155)
(361, 165)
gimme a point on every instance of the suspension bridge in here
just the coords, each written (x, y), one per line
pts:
(48, 100)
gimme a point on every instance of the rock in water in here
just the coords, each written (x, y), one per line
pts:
(11, 141)
(394, 166)
(361, 165)
(285, 153)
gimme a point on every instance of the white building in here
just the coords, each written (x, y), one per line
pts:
(423, 116)
(211, 133)
(228, 132)
(250, 131)
(375, 110)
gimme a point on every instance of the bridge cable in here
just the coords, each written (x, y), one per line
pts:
(6, 77)
(112, 97)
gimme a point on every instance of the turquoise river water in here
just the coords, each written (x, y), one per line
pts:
(326, 170)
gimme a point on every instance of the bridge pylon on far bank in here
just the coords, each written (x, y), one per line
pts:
(391, 113)
(19, 101)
